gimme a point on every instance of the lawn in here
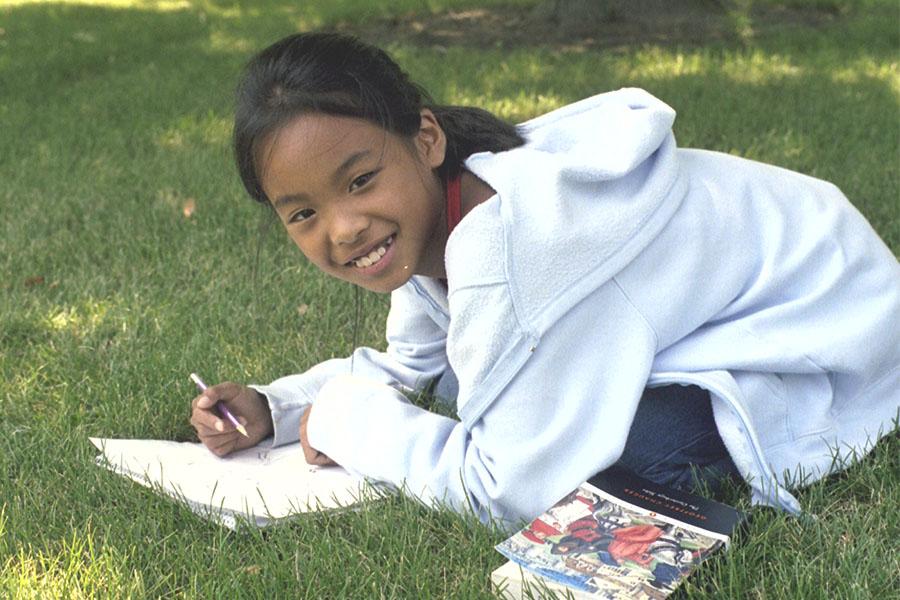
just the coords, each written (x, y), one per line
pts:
(130, 256)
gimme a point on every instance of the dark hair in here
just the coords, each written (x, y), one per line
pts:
(340, 75)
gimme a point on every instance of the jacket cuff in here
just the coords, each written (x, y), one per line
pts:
(287, 408)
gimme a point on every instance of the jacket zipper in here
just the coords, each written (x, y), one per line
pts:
(424, 294)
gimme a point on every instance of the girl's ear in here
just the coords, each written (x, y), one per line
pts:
(430, 140)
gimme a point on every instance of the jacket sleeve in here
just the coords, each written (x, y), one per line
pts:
(563, 415)
(415, 355)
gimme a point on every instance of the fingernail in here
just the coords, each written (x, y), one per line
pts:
(220, 426)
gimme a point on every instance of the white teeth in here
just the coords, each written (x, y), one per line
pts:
(374, 256)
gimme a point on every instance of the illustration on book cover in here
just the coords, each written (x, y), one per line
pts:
(591, 543)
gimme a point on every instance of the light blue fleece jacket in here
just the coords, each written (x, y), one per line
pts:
(609, 261)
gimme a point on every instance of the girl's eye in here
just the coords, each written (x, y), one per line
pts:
(361, 180)
(301, 215)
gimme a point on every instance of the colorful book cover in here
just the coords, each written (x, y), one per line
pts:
(619, 536)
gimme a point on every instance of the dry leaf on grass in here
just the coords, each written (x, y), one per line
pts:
(188, 208)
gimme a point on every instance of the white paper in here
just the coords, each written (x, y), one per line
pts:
(258, 484)
(512, 582)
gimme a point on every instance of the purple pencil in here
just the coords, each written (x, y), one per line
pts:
(222, 408)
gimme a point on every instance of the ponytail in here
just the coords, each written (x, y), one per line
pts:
(470, 130)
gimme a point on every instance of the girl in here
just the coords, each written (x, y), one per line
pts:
(588, 292)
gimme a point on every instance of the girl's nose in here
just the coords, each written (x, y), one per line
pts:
(346, 228)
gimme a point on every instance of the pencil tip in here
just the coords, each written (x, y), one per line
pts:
(243, 430)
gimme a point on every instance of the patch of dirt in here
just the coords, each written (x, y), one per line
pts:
(517, 26)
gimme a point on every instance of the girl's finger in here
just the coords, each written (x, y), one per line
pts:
(222, 392)
(219, 445)
(207, 421)
(309, 454)
(206, 432)
(213, 432)
(322, 459)
(203, 401)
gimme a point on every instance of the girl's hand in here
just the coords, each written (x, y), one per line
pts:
(247, 405)
(313, 456)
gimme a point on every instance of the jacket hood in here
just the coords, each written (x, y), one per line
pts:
(594, 183)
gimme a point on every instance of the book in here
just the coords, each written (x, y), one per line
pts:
(256, 486)
(618, 537)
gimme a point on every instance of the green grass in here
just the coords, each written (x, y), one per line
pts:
(113, 118)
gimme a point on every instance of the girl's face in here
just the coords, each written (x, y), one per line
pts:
(362, 204)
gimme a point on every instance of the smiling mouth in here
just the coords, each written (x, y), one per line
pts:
(373, 256)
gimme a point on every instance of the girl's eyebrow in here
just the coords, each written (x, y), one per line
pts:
(347, 165)
(336, 178)
(288, 199)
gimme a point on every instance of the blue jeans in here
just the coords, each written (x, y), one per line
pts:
(674, 441)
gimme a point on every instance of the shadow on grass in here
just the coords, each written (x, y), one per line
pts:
(139, 101)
